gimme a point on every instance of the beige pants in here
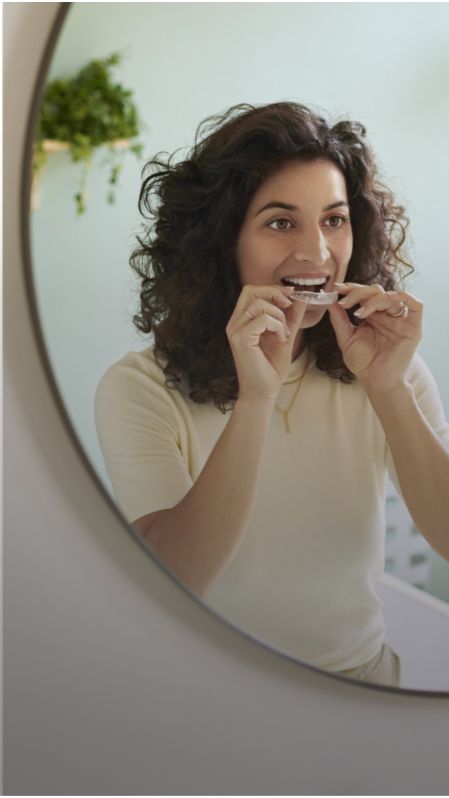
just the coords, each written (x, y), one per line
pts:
(383, 668)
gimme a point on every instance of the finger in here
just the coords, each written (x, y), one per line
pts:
(414, 305)
(344, 288)
(258, 308)
(382, 303)
(277, 294)
(341, 324)
(295, 314)
(390, 302)
(254, 328)
(356, 294)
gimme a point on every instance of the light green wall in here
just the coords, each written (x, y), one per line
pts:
(385, 64)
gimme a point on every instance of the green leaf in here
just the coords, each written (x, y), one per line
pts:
(87, 111)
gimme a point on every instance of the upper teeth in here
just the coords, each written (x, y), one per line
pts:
(306, 280)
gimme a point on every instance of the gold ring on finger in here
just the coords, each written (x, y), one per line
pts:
(402, 312)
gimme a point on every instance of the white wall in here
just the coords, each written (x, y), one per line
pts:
(117, 681)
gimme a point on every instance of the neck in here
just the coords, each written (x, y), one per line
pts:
(298, 346)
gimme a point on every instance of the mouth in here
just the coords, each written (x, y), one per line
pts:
(311, 290)
(314, 284)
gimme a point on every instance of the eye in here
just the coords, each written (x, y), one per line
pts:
(281, 219)
(340, 220)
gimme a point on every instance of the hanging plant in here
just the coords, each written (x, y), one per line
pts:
(84, 113)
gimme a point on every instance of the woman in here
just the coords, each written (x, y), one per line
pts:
(249, 446)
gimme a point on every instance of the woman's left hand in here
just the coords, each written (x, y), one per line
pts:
(379, 350)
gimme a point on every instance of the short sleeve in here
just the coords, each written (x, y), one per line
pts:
(430, 404)
(139, 433)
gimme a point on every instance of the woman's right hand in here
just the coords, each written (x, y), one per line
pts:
(261, 333)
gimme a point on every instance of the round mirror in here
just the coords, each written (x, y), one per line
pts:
(316, 522)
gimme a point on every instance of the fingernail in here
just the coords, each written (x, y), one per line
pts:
(360, 313)
(343, 301)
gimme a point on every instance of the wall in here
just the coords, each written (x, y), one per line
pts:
(116, 680)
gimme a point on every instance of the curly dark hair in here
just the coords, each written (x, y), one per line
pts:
(186, 259)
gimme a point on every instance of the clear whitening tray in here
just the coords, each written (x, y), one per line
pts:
(313, 298)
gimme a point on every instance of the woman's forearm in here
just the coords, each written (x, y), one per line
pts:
(199, 537)
(421, 462)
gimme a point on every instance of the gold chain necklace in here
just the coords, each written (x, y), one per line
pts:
(300, 382)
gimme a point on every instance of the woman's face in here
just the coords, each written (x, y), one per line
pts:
(297, 225)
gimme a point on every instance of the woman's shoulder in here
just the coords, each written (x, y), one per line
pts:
(135, 375)
(140, 363)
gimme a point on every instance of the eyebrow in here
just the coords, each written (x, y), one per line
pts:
(286, 206)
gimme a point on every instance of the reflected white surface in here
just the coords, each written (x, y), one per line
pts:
(85, 291)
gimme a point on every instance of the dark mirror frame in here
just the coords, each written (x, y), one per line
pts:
(27, 261)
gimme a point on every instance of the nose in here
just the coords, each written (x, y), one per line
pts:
(311, 246)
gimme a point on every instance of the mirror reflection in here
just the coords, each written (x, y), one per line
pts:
(274, 429)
